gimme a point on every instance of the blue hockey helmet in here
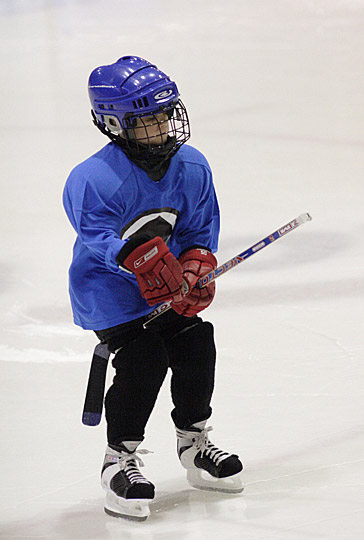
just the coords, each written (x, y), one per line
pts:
(127, 92)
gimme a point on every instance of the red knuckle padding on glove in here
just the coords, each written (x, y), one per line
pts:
(158, 273)
(196, 263)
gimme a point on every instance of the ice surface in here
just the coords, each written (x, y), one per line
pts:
(275, 95)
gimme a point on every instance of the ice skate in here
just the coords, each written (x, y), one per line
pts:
(208, 467)
(128, 492)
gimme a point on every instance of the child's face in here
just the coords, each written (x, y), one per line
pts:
(150, 129)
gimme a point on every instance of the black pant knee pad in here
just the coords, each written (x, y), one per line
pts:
(194, 343)
(145, 356)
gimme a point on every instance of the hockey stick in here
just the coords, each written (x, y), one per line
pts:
(231, 263)
(92, 410)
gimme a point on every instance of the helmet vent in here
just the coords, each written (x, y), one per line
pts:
(140, 103)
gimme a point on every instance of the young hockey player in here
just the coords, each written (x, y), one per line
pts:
(147, 222)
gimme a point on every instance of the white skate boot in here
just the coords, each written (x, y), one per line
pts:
(128, 492)
(207, 466)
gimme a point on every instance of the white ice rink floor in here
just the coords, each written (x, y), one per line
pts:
(275, 95)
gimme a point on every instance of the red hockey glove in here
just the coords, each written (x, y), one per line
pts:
(158, 273)
(196, 263)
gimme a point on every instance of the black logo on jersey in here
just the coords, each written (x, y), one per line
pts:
(155, 222)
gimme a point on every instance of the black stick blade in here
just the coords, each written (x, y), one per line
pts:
(94, 400)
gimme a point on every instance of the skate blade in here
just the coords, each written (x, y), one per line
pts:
(124, 516)
(131, 509)
(200, 479)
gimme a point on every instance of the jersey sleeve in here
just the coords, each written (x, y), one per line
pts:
(97, 221)
(201, 227)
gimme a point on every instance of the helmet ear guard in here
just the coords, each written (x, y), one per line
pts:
(104, 128)
(112, 123)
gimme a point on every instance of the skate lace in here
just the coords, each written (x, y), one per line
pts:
(130, 462)
(202, 443)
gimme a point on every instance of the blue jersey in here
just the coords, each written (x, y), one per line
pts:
(108, 199)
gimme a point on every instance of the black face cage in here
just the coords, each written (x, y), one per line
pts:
(153, 132)
(153, 137)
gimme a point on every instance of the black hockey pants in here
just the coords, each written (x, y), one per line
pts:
(186, 345)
